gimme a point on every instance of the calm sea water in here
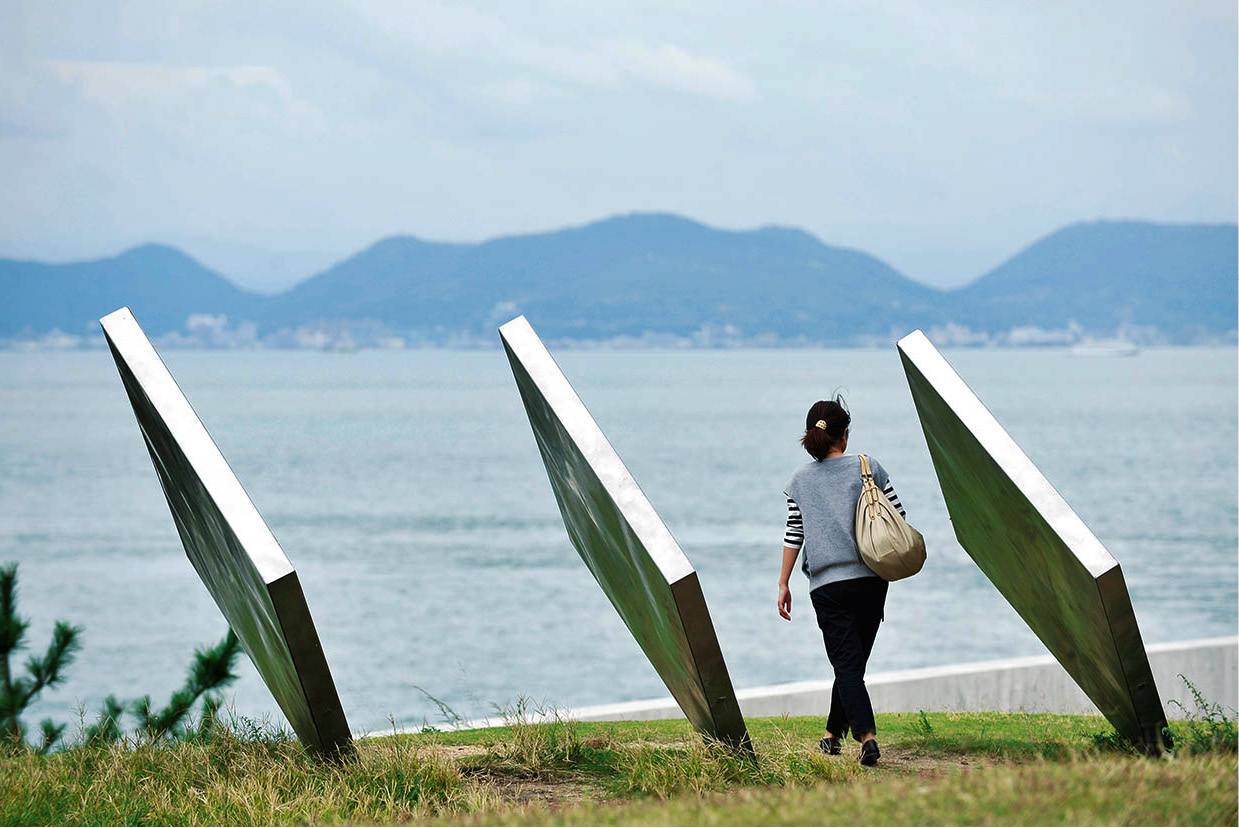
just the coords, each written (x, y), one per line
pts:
(407, 489)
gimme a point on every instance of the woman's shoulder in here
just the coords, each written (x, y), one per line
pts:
(799, 474)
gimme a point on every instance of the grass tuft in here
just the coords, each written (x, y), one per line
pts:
(537, 742)
(231, 780)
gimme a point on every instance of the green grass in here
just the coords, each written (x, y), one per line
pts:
(937, 769)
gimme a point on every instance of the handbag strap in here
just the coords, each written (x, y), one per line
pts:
(865, 500)
(869, 493)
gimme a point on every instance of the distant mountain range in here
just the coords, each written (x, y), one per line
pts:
(655, 279)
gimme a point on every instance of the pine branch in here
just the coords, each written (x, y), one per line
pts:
(47, 671)
(44, 671)
(12, 627)
(12, 703)
(168, 720)
(107, 729)
(141, 708)
(212, 669)
(51, 735)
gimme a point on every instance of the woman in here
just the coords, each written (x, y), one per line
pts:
(847, 596)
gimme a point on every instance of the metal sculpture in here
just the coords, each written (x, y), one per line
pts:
(626, 546)
(229, 545)
(1034, 548)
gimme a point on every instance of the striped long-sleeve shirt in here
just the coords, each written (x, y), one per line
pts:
(793, 537)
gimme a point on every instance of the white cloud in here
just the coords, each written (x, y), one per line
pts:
(669, 65)
(173, 87)
(483, 42)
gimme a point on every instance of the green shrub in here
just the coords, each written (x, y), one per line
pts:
(1206, 729)
(18, 693)
(921, 726)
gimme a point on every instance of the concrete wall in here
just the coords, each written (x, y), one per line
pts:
(1034, 685)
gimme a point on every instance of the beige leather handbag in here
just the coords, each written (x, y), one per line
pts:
(888, 545)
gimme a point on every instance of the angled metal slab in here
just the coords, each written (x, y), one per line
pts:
(229, 545)
(626, 546)
(1034, 548)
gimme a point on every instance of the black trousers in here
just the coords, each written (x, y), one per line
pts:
(848, 613)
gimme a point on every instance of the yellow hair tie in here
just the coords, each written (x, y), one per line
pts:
(822, 425)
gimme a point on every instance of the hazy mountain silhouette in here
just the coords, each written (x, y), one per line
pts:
(162, 285)
(667, 275)
(625, 275)
(1180, 278)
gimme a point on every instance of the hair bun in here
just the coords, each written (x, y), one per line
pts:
(826, 427)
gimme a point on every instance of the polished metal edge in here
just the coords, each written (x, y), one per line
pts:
(624, 543)
(229, 545)
(1081, 609)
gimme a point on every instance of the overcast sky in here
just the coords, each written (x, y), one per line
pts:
(270, 142)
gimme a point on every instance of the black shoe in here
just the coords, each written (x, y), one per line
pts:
(869, 753)
(830, 746)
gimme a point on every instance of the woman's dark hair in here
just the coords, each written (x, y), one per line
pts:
(834, 415)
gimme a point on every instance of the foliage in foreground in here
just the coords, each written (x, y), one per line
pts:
(18, 693)
(212, 669)
(969, 768)
(1207, 728)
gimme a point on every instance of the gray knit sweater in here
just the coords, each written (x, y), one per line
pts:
(824, 494)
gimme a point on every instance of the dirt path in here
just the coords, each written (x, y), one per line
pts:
(912, 762)
(554, 789)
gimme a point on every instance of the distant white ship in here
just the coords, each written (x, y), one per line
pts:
(1105, 348)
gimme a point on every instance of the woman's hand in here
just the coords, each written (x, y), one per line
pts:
(790, 554)
(785, 602)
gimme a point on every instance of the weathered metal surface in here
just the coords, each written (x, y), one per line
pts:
(626, 546)
(229, 545)
(1034, 548)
